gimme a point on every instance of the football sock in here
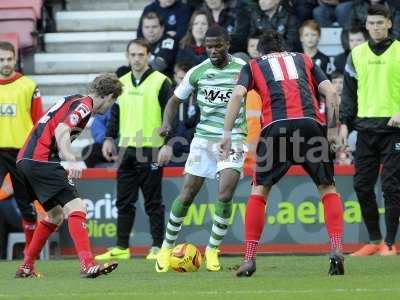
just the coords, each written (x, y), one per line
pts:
(176, 217)
(254, 224)
(29, 228)
(43, 230)
(333, 213)
(223, 212)
(78, 231)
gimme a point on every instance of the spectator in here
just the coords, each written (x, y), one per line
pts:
(370, 104)
(310, 34)
(303, 8)
(337, 81)
(270, 14)
(233, 18)
(328, 12)
(92, 154)
(175, 14)
(359, 13)
(194, 4)
(252, 43)
(343, 155)
(192, 45)
(355, 36)
(9, 214)
(136, 120)
(20, 108)
(163, 47)
(185, 121)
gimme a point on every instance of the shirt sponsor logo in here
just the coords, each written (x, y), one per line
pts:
(213, 95)
(83, 110)
(8, 110)
(376, 62)
(397, 146)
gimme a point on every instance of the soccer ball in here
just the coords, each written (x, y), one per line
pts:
(185, 258)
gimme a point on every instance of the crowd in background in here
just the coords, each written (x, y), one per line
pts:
(176, 31)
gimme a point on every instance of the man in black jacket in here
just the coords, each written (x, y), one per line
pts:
(371, 105)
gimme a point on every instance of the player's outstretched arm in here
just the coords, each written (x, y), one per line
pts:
(332, 105)
(169, 115)
(63, 139)
(234, 105)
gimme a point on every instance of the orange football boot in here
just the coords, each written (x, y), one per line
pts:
(367, 250)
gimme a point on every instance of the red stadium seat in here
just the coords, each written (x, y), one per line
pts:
(35, 5)
(13, 38)
(22, 21)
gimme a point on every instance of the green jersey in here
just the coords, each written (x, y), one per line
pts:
(212, 88)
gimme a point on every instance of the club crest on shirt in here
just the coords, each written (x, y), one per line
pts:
(74, 119)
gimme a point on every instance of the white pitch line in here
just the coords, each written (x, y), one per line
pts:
(219, 293)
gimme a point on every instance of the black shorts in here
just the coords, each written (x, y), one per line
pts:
(48, 182)
(294, 142)
(8, 158)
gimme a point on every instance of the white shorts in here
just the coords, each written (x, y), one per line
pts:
(203, 159)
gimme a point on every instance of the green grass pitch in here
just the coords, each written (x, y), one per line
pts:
(277, 277)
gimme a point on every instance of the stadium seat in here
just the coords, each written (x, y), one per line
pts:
(19, 238)
(330, 43)
(13, 38)
(35, 5)
(22, 21)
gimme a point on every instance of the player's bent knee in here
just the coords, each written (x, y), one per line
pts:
(260, 190)
(188, 194)
(225, 196)
(326, 189)
(55, 215)
(73, 206)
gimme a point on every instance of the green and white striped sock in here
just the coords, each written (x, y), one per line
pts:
(223, 211)
(176, 217)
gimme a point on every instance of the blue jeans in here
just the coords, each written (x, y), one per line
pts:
(325, 14)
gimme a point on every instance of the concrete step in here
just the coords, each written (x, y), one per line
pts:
(330, 43)
(54, 87)
(75, 42)
(49, 100)
(106, 4)
(78, 63)
(118, 20)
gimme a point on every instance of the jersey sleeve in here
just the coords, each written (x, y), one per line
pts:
(245, 77)
(82, 111)
(36, 106)
(186, 87)
(316, 71)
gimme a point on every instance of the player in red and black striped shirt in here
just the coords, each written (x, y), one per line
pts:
(294, 131)
(46, 180)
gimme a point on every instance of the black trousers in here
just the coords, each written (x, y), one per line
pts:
(8, 158)
(93, 156)
(138, 170)
(373, 149)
